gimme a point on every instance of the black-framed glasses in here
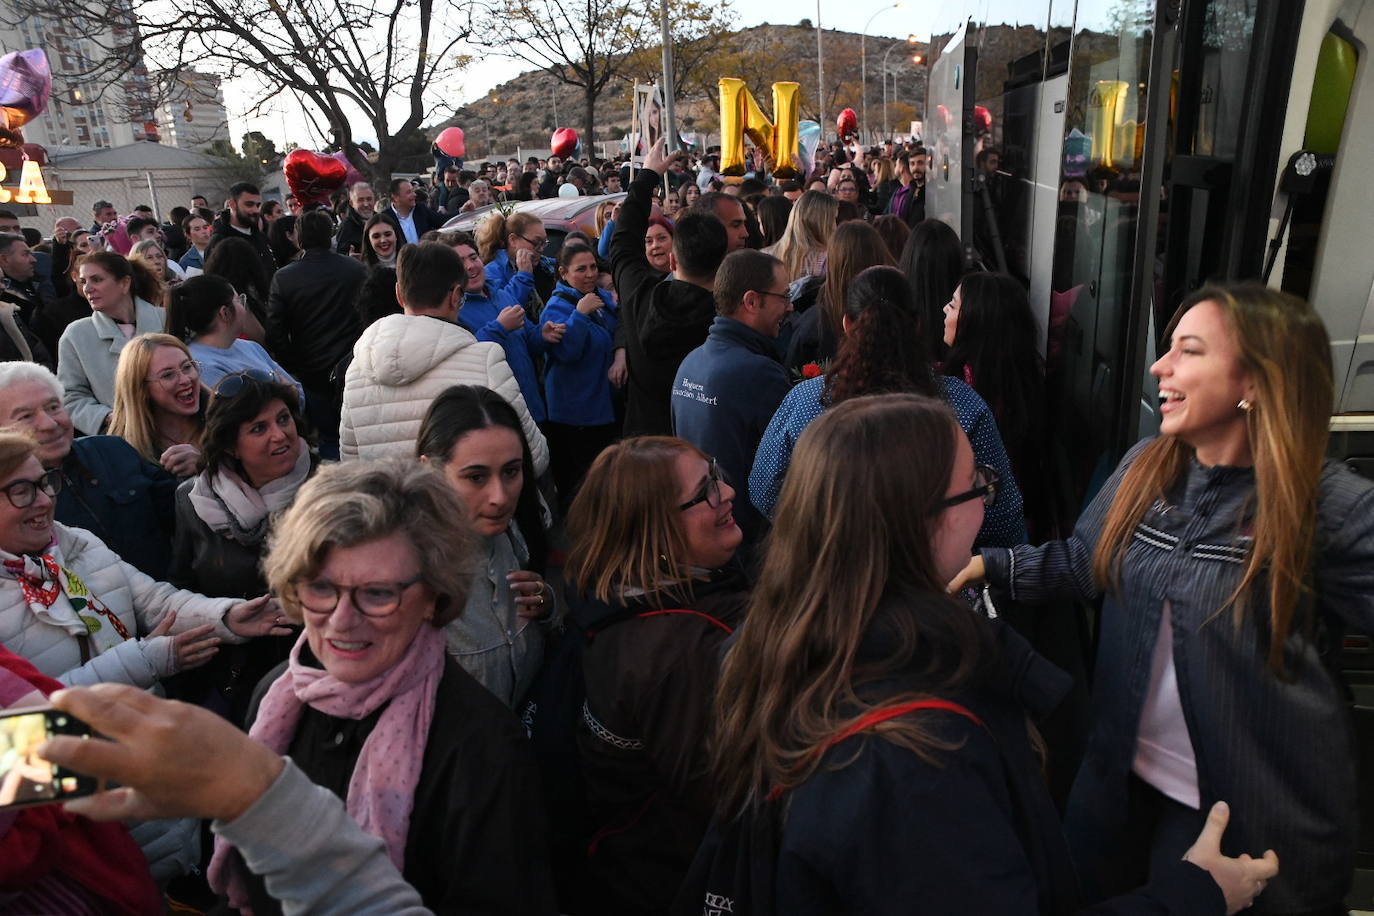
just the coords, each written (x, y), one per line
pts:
(764, 292)
(537, 246)
(985, 482)
(372, 599)
(710, 489)
(168, 378)
(22, 493)
(232, 385)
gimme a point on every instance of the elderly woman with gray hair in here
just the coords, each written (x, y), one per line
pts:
(369, 559)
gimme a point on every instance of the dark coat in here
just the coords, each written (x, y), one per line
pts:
(642, 743)
(54, 317)
(1255, 735)
(311, 322)
(127, 502)
(877, 827)
(724, 396)
(350, 235)
(257, 238)
(9, 346)
(662, 320)
(425, 220)
(476, 839)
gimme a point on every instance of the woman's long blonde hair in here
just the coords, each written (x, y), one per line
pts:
(850, 555)
(809, 228)
(133, 419)
(624, 525)
(1285, 349)
(496, 228)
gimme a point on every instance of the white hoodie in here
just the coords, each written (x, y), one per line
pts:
(400, 365)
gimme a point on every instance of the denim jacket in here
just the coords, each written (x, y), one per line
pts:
(1279, 751)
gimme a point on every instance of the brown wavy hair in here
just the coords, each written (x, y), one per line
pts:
(850, 555)
(881, 352)
(496, 229)
(1285, 349)
(624, 525)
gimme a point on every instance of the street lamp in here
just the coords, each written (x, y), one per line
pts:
(910, 40)
(863, 61)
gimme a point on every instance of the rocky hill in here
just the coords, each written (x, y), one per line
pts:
(524, 111)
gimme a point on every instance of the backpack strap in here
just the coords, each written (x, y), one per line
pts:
(622, 617)
(882, 714)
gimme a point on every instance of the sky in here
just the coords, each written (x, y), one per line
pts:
(912, 16)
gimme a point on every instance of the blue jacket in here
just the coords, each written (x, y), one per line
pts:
(576, 386)
(1004, 525)
(478, 315)
(130, 504)
(501, 272)
(724, 395)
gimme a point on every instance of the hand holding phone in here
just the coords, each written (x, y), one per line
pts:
(26, 778)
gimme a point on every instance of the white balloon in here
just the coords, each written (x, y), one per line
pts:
(568, 189)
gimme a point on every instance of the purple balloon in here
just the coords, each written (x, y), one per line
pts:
(352, 176)
(25, 84)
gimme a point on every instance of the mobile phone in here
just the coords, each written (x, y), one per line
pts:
(27, 779)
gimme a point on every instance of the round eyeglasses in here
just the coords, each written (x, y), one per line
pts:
(372, 599)
(170, 378)
(710, 489)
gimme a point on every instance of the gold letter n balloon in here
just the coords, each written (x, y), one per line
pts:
(740, 116)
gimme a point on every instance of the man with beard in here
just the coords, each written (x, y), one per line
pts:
(19, 304)
(242, 221)
(548, 186)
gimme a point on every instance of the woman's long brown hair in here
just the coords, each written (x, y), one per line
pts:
(850, 550)
(624, 525)
(1285, 349)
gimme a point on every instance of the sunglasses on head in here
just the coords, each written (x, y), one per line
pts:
(232, 385)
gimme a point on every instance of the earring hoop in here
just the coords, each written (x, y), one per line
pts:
(1245, 405)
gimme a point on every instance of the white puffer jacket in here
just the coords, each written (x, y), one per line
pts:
(400, 365)
(139, 601)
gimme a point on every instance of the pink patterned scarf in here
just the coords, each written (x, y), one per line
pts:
(381, 792)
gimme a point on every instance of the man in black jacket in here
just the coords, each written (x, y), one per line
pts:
(243, 221)
(311, 323)
(362, 203)
(411, 219)
(662, 319)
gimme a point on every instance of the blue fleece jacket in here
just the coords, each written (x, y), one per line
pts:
(576, 386)
(502, 275)
(724, 395)
(478, 315)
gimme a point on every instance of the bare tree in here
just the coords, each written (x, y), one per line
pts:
(334, 62)
(590, 43)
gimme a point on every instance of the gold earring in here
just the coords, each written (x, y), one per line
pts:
(1245, 405)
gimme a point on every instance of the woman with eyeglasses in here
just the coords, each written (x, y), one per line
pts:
(88, 351)
(209, 314)
(372, 558)
(881, 353)
(473, 437)
(512, 247)
(871, 749)
(159, 403)
(256, 459)
(79, 613)
(655, 590)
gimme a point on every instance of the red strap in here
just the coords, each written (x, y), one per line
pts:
(724, 626)
(882, 714)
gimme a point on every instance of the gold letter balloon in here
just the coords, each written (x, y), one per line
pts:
(740, 117)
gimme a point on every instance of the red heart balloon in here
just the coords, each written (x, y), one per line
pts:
(312, 176)
(847, 123)
(563, 143)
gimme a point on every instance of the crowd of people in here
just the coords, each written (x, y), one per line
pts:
(674, 573)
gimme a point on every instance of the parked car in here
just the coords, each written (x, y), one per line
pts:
(560, 216)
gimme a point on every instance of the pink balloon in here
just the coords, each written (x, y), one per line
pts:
(451, 143)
